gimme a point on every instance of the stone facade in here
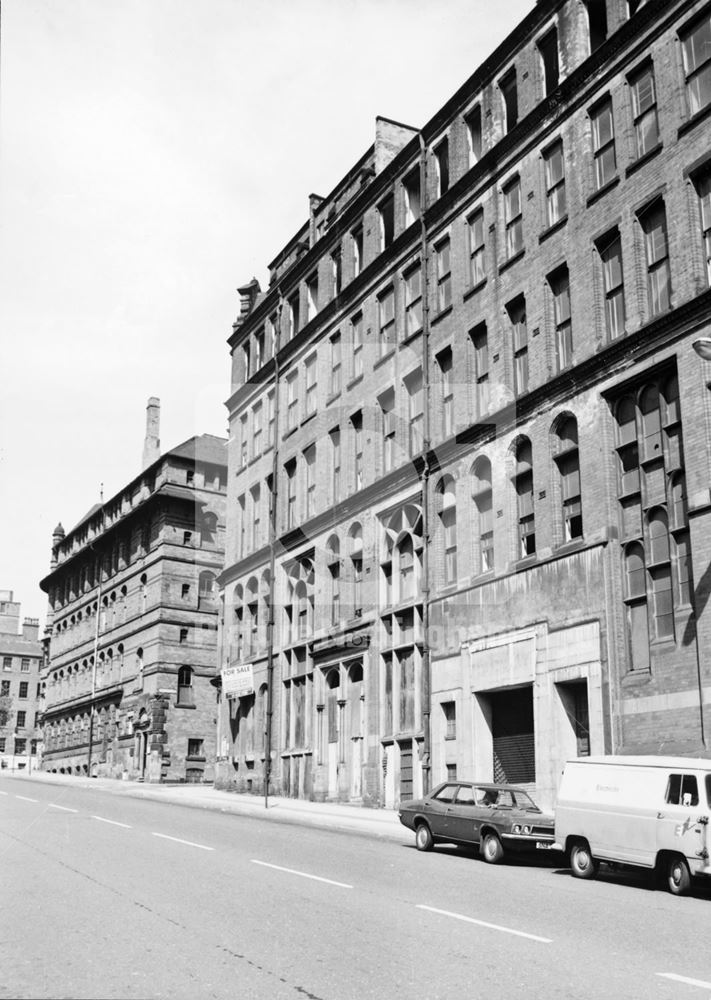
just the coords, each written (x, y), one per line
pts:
(471, 395)
(132, 625)
(20, 662)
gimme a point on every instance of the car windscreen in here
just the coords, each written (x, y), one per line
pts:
(524, 801)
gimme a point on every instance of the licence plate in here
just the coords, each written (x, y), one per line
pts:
(543, 845)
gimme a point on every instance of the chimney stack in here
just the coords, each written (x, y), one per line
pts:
(151, 446)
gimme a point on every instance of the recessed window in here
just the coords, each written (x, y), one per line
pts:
(292, 400)
(523, 484)
(413, 300)
(185, 686)
(337, 271)
(444, 276)
(477, 248)
(610, 250)
(480, 346)
(696, 53)
(472, 122)
(445, 364)
(413, 385)
(244, 439)
(450, 721)
(357, 250)
(335, 386)
(357, 432)
(334, 436)
(195, 748)
(560, 287)
(24, 688)
(411, 185)
(311, 296)
(441, 153)
(568, 462)
(554, 164)
(597, 22)
(311, 386)
(257, 429)
(386, 211)
(484, 529)
(386, 401)
(290, 470)
(644, 110)
(310, 462)
(509, 92)
(654, 224)
(21, 718)
(293, 316)
(25, 665)
(702, 184)
(548, 49)
(513, 218)
(603, 138)
(386, 320)
(519, 335)
(357, 347)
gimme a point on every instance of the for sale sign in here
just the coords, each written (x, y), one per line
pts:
(238, 680)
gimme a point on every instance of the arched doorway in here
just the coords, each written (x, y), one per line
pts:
(356, 726)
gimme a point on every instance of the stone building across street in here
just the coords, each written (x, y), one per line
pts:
(468, 513)
(132, 622)
(21, 657)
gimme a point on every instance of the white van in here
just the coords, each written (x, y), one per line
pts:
(652, 812)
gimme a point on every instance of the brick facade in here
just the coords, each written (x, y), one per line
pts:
(432, 390)
(132, 626)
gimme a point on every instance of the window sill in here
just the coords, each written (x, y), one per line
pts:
(383, 358)
(525, 563)
(695, 120)
(308, 418)
(440, 315)
(411, 338)
(636, 678)
(511, 261)
(566, 548)
(332, 398)
(552, 229)
(474, 289)
(354, 381)
(288, 433)
(183, 704)
(645, 158)
(196, 759)
(601, 192)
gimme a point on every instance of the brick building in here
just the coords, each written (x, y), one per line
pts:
(132, 622)
(21, 655)
(471, 394)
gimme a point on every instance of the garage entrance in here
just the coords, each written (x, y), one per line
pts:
(513, 735)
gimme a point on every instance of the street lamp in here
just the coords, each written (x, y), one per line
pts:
(702, 346)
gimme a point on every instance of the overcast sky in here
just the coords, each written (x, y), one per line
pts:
(154, 155)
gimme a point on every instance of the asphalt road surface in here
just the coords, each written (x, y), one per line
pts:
(102, 896)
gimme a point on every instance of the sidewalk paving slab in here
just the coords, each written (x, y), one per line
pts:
(348, 817)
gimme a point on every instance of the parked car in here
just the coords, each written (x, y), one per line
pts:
(499, 818)
(647, 812)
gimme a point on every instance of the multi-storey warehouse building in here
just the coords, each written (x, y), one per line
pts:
(471, 394)
(21, 655)
(132, 622)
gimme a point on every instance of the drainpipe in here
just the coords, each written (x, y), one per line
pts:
(272, 562)
(426, 659)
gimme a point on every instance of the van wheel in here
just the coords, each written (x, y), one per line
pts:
(491, 849)
(582, 863)
(424, 840)
(678, 877)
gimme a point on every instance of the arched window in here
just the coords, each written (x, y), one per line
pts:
(401, 559)
(333, 562)
(636, 601)
(301, 610)
(355, 537)
(144, 593)
(447, 512)
(253, 615)
(332, 683)
(567, 459)
(139, 666)
(523, 483)
(238, 625)
(264, 605)
(660, 573)
(185, 686)
(651, 422)
(406, 567)
(484, 530)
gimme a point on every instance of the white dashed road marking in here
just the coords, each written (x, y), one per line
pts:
(190, 843)
(113, 822)
(292, 871)
(483, 923)
(25, 798)
(685, 979)
(66, 809)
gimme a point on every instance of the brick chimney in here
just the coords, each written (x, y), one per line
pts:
(30, 629)
(151, 446)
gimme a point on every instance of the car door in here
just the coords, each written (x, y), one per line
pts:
(460, 825)
(438, 807)
(678, 826)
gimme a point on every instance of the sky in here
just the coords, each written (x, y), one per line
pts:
(154, 156)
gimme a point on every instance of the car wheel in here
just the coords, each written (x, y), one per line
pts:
(424, 840)
(678, 876)
(491, 849)
(582, 862)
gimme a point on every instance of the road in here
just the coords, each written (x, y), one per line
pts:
(119, 897)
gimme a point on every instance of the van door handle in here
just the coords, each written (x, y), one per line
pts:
(660, 815)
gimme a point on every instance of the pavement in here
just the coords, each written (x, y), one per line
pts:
(346, 817)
